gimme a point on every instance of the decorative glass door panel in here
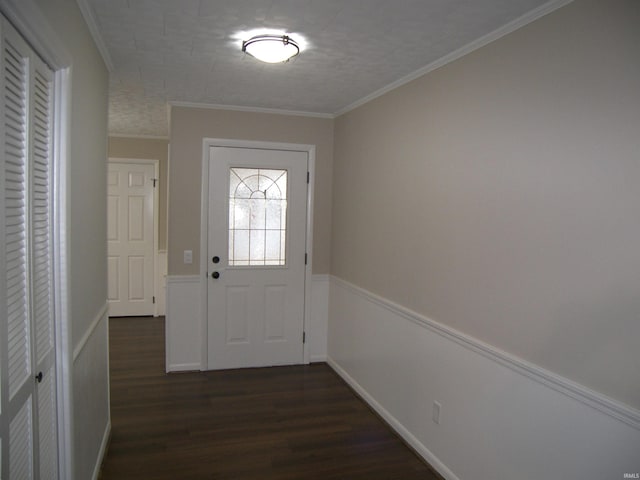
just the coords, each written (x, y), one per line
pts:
(257, 217)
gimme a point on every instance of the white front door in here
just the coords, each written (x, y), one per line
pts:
(256, 257)
(130, 231)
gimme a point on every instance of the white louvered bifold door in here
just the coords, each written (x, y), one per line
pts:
(28, 425)
(17, 409)
(41, 196)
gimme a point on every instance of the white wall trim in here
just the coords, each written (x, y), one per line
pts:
(308, 290)
(92, 25)
(62, 290)
(161, 279)
(184, 367)
(183, 324)
(139, 137)
(102, 315)
(237, 108)
(29, 21)
(406, 435)
(317, 328)
(578, 392)
(204, 261)
(461, 52)
(172, 279)
(103, 451)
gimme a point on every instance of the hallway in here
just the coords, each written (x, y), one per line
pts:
(274, 423)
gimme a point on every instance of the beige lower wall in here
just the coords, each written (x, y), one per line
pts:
(153, 149)
(499, 195)
(189, 126)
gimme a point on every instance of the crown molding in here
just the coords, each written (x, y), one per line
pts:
(139, 137)
(461, 52)
(92, 25)
(27, 18)
(236, 108)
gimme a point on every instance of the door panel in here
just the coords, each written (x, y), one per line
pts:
(237, 315)
(136, 218)
(113, 284)
(274, 312)
(130, 233)
(113, 215)
(257, 232)
(136, 278)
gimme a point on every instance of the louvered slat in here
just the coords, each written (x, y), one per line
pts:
(41, 216)
(47, 428)
(21, 445)
(15, 165)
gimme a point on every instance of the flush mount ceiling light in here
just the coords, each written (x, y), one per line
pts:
(271, 48)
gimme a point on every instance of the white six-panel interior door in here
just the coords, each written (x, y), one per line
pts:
(28, 419)
(257, 220)
(130, 233)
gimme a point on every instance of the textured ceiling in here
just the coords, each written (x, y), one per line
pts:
(164, 51)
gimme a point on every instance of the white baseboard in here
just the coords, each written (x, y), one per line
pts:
(184, 367)
(501, 417)
(393, 422)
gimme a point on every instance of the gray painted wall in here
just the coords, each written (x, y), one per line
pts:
(499, 195)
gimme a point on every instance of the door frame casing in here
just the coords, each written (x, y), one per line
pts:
(207, 143)
(156, 213)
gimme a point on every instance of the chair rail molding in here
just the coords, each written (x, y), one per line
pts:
(403, 363)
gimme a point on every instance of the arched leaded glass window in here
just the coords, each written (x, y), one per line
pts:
(257, 216)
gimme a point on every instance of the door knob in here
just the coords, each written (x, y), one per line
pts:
(215, 259)
(39, 377)
(215, 275)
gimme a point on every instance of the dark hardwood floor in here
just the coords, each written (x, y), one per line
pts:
(299, 422)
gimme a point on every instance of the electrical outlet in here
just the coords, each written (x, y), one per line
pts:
(435, 413)
(188, 256)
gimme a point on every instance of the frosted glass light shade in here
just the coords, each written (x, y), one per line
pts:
(271, 48)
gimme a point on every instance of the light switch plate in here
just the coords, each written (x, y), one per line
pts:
(188, 256)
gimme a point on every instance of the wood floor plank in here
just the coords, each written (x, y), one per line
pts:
(285, 423)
